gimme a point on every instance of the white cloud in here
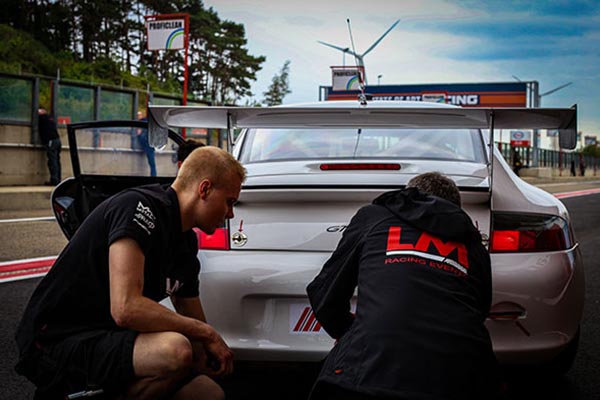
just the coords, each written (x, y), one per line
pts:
(426, 46)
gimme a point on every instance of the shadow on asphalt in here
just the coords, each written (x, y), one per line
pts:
(254, 380)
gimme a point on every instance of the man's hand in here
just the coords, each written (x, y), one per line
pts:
(219, 355)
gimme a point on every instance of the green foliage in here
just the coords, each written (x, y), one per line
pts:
(103, 41)
(15, 99)
(20, 52)
(592, 150)
(279, 87)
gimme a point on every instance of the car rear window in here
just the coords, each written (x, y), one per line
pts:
(262, 145)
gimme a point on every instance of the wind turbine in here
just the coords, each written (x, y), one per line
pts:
(360, 57)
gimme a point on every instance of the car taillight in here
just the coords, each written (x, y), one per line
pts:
(514, 232)
(219, 240)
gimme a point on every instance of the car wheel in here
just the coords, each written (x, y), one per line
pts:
(564, 361)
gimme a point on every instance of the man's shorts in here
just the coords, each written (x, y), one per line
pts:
(89, 360)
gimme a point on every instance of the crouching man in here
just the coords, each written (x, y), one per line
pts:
(94, 323)
(424, 291)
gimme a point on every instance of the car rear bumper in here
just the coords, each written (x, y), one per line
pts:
(257, 301)
(549, 288)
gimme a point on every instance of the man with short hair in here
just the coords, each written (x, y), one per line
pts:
(94, 323)
(424, 292)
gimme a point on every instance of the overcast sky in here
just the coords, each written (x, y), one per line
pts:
(550, 41)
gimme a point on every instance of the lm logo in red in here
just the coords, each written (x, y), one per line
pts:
(426, 244)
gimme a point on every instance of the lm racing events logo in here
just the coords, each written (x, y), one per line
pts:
(428, 251)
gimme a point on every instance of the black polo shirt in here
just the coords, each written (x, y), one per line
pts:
(74, 296)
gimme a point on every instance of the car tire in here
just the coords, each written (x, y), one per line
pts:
(563, 362)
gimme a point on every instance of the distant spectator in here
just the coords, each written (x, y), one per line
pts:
(185, 149)
(142, 136)
(516, 161)
(582, 166)
(51, 141)
(573, 173)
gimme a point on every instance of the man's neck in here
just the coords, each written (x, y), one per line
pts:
(185, 208)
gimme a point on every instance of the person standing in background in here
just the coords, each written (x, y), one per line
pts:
(142, 136)
(51, 141)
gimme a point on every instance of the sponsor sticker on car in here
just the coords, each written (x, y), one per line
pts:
(303, 320)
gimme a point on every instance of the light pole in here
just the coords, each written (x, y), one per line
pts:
(536, 102)
(379, 79)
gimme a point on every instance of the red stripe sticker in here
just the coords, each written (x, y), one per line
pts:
(301, 319)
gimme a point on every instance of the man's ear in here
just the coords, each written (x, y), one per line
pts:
(204, 187)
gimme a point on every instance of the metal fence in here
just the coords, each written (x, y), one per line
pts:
(69, 102)
(567, 162)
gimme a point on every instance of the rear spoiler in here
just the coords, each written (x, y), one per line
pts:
(426, 117)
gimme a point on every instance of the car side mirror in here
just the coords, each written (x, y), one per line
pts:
(157, 135)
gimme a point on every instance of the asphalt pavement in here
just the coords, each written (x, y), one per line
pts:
(293, 381)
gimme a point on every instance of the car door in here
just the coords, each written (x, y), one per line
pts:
(107, 157)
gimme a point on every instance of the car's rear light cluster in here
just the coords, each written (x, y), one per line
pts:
(219, 240)
(360, 166)
(516, 232)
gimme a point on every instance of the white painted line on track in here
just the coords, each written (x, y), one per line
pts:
(27, 219)
(567, 183)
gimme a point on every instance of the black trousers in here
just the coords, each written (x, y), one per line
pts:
(53, 153)
(328, 391)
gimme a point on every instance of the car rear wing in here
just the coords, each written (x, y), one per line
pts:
(428, 116)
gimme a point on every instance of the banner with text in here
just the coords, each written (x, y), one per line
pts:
(509, 94)
(165, 34)
(346, 78)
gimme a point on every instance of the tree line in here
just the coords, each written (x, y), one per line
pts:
(107, 39)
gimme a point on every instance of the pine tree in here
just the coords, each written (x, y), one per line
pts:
(279, 87)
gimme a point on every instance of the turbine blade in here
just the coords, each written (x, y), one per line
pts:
(556, 89)
(343, 49)
(381, 37)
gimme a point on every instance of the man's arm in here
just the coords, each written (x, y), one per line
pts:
(331, 290)
(189, 306)
(131, 310)
(192, 307)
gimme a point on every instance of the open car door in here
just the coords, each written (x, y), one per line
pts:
(107, 157)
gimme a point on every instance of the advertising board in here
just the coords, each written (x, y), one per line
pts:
(508, 94)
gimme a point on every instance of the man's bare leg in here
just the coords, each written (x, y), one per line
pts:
(200, 388)
(162, 363)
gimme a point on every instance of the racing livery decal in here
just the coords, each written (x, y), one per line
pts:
(428, 251)
(303, 320)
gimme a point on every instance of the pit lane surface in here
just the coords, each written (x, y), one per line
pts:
(285, 381)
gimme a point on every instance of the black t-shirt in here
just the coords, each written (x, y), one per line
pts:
(75, 295)
(47, 129)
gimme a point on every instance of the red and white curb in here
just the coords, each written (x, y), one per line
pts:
(576, 193)
(25, 269)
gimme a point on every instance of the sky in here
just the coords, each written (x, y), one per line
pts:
(553, 42)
